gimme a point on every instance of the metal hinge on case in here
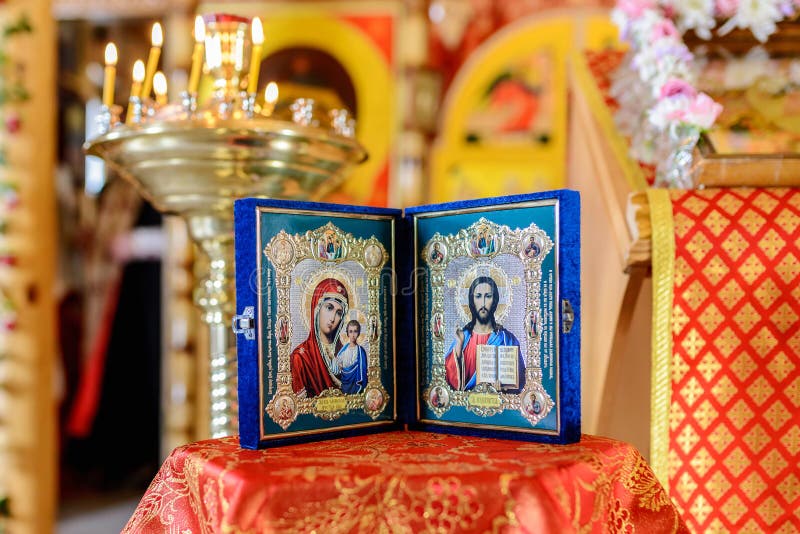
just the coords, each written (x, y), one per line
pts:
(567, 316)
(245, 323)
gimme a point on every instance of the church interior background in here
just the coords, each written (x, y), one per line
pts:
(100, 368)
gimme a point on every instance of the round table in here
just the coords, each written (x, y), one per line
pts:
(406, 482)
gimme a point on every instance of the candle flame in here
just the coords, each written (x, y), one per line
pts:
(138, 71)
(199, 29)
(111, 54)
(157, 36)
(257, 31)
(160, 84)
(271, 93)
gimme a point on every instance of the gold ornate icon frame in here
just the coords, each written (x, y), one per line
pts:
(285, 252)
(483, 241)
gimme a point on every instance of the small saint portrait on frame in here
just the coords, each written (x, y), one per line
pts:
(373, 256)
(532, 324)
(439, 397)
(329, 246)
(285, 408)
(484, 241)
(533, 247)
(373, 400)
(283, 330)
(437, 253)
(533, 404)
(436, 325)
(373, 328)
(283, 251)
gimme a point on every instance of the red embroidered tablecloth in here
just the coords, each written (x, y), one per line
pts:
(406, 482)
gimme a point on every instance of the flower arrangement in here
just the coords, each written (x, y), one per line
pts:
(660, 109)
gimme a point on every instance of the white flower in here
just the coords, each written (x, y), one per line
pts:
(668, 111)
(664, 59)
(760, 16)
(697, 15)
(640, 30)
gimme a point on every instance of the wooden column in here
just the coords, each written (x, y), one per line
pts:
(616, 288)
(28, 446)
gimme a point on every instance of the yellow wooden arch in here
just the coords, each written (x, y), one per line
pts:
(460, 169)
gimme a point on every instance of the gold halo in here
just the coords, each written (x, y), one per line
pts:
(311, 284)
(465, 280)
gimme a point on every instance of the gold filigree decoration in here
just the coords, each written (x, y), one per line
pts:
(329, 247)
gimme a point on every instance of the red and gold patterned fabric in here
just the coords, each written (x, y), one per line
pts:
(733, 386)
(406, 482)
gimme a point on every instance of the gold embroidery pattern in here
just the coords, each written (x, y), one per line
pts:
(406, 482)
(733, 420)
(663, 269)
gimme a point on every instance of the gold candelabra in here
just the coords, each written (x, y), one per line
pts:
(193, 159)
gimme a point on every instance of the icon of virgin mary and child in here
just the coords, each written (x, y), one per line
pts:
(322, 361)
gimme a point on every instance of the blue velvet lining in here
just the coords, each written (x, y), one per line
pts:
(245, 241)
(405, 344)
(570, 287)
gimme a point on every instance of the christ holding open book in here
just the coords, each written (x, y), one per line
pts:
(483, 350)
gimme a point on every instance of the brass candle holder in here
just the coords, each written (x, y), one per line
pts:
(194, 160)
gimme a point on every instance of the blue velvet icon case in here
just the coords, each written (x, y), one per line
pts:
(460, 318)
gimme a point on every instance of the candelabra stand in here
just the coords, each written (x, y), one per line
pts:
(195, 166)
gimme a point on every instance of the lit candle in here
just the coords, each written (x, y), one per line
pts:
(111, 71)
(270, 97)
(136, 87)
(156, 39)
(255, 58)
(197, 55)
(160, 87)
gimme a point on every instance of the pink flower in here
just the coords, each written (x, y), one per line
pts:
(726, 8)
(703, 111)
(635, 8)
(676, 87)
(662, 29)
(676, 115)
(13, 123)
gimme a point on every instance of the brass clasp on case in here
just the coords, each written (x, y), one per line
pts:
(567, 316)
(245, 323)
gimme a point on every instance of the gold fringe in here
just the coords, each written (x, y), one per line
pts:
(619, 145)
(663, 262)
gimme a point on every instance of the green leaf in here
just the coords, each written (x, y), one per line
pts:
(23, 25)
(20, 93)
